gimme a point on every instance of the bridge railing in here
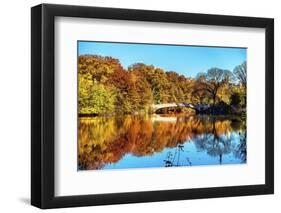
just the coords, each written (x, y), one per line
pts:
(189, 105)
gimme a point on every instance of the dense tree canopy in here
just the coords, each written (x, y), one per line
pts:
(105, 87)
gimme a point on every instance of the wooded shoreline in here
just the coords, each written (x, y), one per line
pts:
(106, 88)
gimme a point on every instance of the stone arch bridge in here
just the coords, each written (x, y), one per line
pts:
(197, 107)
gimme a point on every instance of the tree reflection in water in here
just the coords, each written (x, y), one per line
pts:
(106, 140)
(216, 143)
(241, 149)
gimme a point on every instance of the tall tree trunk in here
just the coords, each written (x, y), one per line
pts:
(214, 103)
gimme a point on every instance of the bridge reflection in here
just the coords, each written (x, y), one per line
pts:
(106, 140)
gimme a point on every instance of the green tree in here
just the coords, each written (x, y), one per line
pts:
(93, 97)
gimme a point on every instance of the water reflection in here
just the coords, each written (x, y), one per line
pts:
(142, 142)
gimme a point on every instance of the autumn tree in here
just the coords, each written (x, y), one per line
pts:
(141, 89)
(95, 96)
(100, 68)
(105, 87)
(181, 87)
(121, 81)
(156, 78)
(212, 82)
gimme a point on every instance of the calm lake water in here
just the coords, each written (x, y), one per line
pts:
(160, 141)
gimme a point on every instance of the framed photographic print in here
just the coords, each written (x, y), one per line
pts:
(139, 106)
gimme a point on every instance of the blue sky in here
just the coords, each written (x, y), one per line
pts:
(185, 60)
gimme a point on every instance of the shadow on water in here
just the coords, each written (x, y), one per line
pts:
(143, 142)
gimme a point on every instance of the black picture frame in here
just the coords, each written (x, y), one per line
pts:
(43, 102)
